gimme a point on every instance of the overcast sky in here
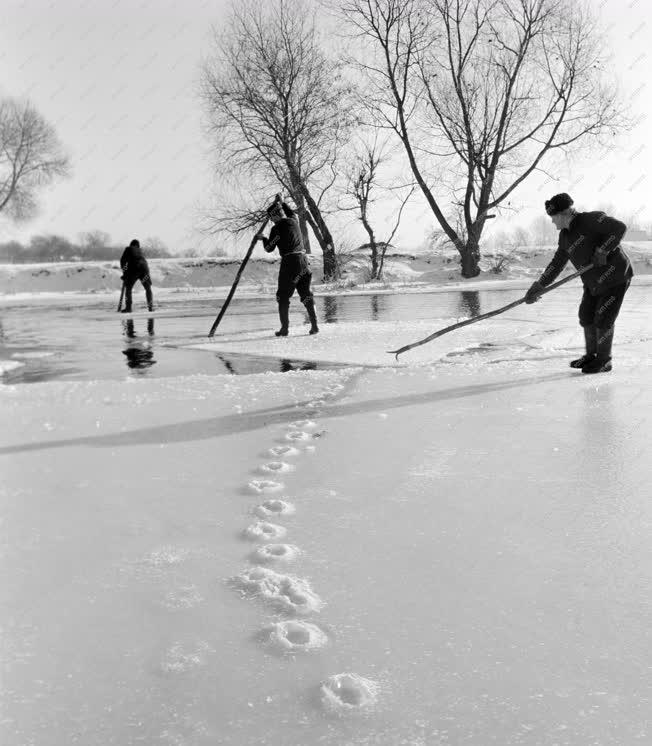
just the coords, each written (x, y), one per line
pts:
(119, 80)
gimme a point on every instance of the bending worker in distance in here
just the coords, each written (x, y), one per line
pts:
(134, 267)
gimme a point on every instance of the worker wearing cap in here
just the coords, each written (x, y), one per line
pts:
(589, 238)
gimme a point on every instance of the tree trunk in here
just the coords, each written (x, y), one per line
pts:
(381, 264)
(328, 250)
(303, 225)
(323, 236)
(317, 223)
(372, 244)
(469, 258)
(300, 202)
(330, 262)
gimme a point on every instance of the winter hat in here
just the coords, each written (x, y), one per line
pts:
(558, 203)
(276, 204)
(135, 243)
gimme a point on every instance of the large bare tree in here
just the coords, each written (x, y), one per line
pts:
(479, 92)
(278, 107)
(31, 158)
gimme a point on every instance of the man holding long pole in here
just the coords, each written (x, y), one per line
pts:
(589, 238)
(294, 273)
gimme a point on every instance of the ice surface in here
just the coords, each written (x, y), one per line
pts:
(7, 365)
(480, 557)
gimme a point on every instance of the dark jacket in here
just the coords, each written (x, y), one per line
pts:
(285, 235)
(133, 261)
(591, 233)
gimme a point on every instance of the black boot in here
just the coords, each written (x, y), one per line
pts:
(284, 316)
(310, 307)
(601, 363)
(591, 342)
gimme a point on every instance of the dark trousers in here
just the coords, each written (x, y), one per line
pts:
(294, 274)
(602, 310)
(130, 280)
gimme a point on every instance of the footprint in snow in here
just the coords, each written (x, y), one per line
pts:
(263, 531)
(347, 693)
(285, 592)
(276, 467)
(283, 451)
(298, 435)
(294, 636)
(303, 424)
(274, 508)
(270, 553)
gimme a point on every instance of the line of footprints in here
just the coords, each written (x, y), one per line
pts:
(343, 692)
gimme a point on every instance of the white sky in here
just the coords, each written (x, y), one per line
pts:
(119, 80)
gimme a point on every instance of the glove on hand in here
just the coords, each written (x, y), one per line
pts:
(534, 293)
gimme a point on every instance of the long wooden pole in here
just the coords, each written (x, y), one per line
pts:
(488, 315)
(122, 295)
(237, 280)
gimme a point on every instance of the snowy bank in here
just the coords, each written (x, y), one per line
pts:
(187, 275)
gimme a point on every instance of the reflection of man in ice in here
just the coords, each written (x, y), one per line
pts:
(140, 355)
(589, 238)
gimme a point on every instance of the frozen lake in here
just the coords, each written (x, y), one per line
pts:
(91, 341)
(467, 539)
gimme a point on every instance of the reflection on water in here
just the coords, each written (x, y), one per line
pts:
(228, 364)
(288, 365)
(129, 328)
(352, 308)
(470, 303)
(330, 309)
(82, 344)
(139, 356)
(378, 306)
(238, 364)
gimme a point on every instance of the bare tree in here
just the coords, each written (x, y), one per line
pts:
(31, 157)
(479, 92)
(94, 239)
(543, 231)
(278, 107)
(154, 248)
(362, 185)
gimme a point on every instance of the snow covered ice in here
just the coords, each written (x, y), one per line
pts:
(472, 567)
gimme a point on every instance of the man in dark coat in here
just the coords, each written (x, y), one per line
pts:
(590, 238)
(134, 267)
(294, 272)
